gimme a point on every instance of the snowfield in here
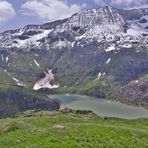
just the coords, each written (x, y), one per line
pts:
(46, 82)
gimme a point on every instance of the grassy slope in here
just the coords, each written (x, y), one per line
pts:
(80, 130)
(89, 87)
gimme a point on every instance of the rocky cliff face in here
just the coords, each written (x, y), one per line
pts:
(105, 45)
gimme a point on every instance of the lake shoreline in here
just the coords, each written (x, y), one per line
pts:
(101, 107)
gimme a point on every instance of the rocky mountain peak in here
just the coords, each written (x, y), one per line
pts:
(93, 17)
(106, 24)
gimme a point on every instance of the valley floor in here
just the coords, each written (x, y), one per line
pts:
(70, 129)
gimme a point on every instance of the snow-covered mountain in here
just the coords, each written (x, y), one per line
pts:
(108, 26)
(100, 52)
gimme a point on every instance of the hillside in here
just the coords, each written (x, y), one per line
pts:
(71, 129)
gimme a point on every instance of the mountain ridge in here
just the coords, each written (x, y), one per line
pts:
(141, 9)
(106, 20)
(98, 52)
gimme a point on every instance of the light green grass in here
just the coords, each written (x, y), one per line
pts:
(88, 131)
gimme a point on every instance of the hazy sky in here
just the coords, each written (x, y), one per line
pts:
(18, 13)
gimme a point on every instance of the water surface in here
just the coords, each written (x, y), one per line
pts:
(102, 107)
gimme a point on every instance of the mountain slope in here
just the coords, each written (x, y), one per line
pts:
(103, 47)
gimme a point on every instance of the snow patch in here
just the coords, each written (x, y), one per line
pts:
(76, 83)
(127, 46)
(37, 64)
(110, 48)
(72, 45)
(108, 61)
(19, 83)
(135, 30)
(32, 40)
(99, 76)
(7, 58)
(36, 55)
(46, 82)
(136, 81)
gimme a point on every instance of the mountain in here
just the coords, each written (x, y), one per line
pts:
(101, 52)
(109, 25)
